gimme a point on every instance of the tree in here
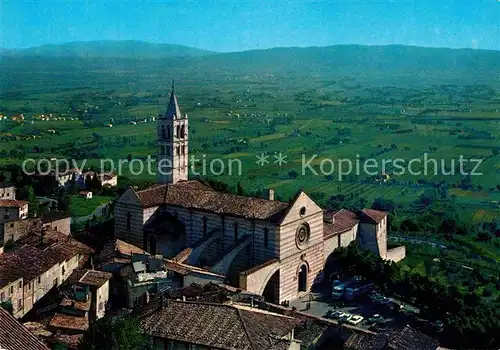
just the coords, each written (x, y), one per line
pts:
(121, 333)
(88, 182)
(95, 183)
(292, 174)
(33, 207)
(7, 306)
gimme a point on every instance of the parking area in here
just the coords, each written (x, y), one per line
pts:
(391, 314)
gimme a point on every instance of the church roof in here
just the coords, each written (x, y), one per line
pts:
(194, 194)
(173, 110)
(372, 216)
(343, 220)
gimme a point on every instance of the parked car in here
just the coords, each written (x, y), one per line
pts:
(337, 314)
(355, 319)
(345, 317)
(375, 318)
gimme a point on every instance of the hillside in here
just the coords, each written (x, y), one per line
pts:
(109, 49)
(120, 62)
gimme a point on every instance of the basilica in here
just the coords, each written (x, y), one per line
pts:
(262, 245)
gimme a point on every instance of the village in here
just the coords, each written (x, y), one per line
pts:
(198, 268)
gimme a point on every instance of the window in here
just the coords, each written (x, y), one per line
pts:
(8, 194)
(20, 285)
(182, 131)
(29, 286)
(39, 280)
(11, 225)
(183, 149)
(11, 290)
(128, 221)
(204, 226)
(2, 297)
(177, 150)
(235, 232)
(55, 283)
(19, 304)
(101, 306)
(178, 131)
(266, 237)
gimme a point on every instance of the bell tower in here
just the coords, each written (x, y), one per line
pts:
(172, 142)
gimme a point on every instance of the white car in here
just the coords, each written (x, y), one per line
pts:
(355, 319)
(345, 317)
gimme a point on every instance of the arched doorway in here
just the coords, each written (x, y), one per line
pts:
(272, 288)
(302, 278)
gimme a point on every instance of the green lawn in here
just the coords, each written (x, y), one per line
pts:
(83, 207)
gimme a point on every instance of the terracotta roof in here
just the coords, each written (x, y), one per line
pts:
(410, 339)
(190, 194)
(118, 248)
(185, 269)
(343, 220)
(13, 335)
(30, 261)
(69, 322)
(217, 325)
(91, 278)
(407, 338)
(75, 304)
(69, 340)
(372, 216)
(12, 203)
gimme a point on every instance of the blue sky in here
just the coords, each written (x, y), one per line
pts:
(243, 25)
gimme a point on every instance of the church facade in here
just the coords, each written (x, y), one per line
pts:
(273, 248)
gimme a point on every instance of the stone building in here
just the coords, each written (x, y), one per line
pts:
(42, 262)
(269, 247)
(7, 191)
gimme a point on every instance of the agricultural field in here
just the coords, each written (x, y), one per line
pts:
(106, 110)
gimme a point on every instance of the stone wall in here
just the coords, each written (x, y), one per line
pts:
(102, 298)
(14, 292)
(129, 230)
(14, 230)
(62, 225)
(396, 254)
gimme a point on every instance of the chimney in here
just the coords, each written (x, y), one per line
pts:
(183, 298)
(251, 302)
(269, 194)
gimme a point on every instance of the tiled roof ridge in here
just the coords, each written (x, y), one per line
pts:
(245, 328)
(81, 278)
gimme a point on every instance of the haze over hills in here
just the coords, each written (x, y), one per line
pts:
(108, 49)
(145, 63)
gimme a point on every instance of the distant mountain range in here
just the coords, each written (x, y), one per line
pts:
(88, 62)
(108, 49)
